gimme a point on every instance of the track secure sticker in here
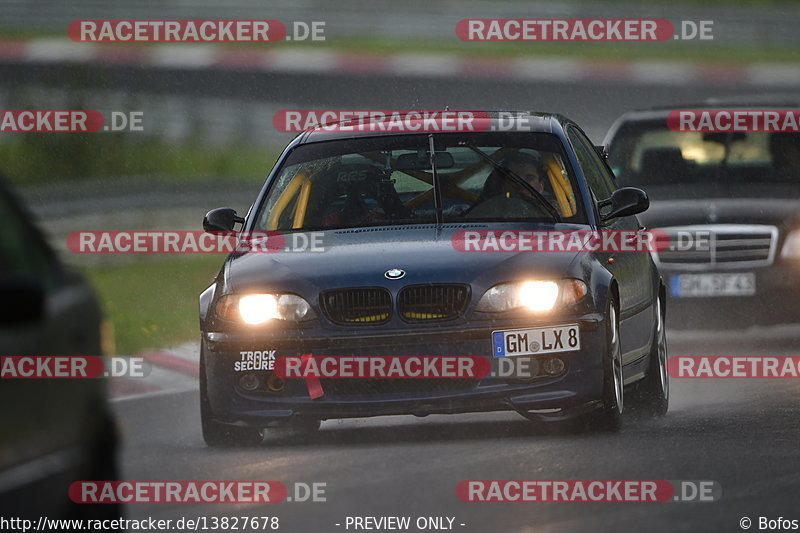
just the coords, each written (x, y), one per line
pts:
(255, 360)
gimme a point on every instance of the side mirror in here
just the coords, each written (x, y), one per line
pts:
(624, 202)
(601, 151)
(221, 219)
(25, 301)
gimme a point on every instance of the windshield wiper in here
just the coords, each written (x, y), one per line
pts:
(516, 179)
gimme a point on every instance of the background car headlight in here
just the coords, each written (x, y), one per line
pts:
(791, 246)
(260, 308)
(538, 296)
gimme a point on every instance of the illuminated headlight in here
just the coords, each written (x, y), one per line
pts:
(538, 296)
(791, 247)
(260, 308)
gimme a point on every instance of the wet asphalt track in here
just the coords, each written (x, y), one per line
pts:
(743, 434)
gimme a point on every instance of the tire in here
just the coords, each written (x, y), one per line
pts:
(221, 435)
(613, 399)
(652, 392)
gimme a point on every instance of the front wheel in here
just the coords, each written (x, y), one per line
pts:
(221, 435)
(613, 399)
(652, 394)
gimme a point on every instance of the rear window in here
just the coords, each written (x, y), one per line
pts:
(651, 154)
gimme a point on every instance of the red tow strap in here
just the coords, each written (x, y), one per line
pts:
(312, 382)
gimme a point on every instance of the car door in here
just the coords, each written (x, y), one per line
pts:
(632, 270)
(72, 316)
(62, 422)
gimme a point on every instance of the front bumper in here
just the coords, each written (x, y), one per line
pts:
(576, 389)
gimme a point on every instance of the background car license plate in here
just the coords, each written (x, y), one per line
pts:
(536, 340)
(698, 285)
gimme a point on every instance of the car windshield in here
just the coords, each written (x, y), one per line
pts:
(390, 180)
(649, 153)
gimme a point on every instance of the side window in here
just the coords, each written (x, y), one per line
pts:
(597, 177)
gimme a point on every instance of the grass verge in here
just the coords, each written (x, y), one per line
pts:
(33, 159)
(153, 304)
(602, 51)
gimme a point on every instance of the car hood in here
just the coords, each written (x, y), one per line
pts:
(361, 257)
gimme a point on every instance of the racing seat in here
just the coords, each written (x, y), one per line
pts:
(347, 194)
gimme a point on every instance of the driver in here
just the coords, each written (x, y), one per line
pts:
(526, 166)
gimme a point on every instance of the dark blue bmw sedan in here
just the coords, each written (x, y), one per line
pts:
(419, 242)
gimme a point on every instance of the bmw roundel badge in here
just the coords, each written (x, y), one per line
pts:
(394, 273)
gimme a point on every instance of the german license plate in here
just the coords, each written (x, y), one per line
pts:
(534, 341)
(710, 285)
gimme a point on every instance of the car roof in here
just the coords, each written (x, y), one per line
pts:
(776, 101)
(535, 121)
(659, 113)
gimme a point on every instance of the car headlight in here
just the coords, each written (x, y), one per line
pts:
(791, 246)
(538, 296)
(260, 308)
